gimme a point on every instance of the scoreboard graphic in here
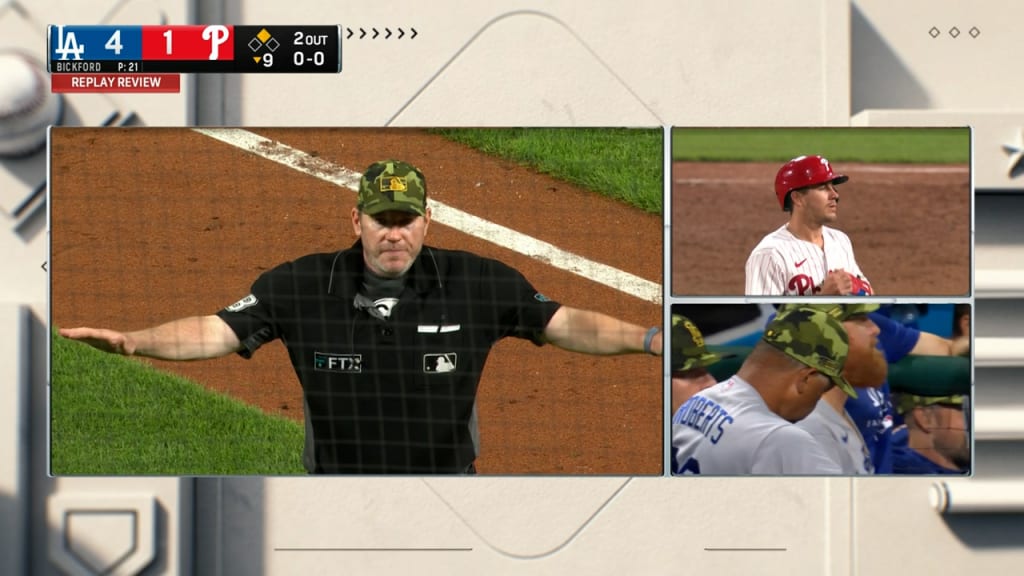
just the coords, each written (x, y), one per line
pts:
(135, 58)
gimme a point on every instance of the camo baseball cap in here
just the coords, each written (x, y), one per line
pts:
(907, 402)
(688, 349)
(814, 338)
(841, 312)
(392, 185)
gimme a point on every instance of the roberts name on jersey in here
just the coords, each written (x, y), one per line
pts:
(704, 415)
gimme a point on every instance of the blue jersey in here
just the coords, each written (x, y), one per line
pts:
(872, 410)
(906, 460)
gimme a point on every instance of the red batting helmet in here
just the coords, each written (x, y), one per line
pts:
(804, 171)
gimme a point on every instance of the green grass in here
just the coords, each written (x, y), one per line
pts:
(910, 145)
(118, 416)
(621, 163)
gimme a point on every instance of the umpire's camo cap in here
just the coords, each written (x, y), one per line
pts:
(841, 312)
(688, 349)
(814, 338)
(392, 185)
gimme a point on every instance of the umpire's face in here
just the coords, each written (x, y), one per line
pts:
(391, 240)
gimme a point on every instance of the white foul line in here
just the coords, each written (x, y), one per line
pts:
(444, 214)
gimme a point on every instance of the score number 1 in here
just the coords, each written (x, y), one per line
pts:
(215, 34)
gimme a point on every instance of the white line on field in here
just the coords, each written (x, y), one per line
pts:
(444, 214)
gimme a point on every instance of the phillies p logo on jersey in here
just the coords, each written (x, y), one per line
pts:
(802, 284)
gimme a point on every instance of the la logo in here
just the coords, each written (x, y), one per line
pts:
(68, 44)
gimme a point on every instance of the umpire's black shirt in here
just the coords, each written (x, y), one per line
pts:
(389, 395)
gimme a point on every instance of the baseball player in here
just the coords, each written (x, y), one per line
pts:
(872, 409)
(935, 437)
(805, 257)
(690, 359)
(830, 424)
(745, 425)
(388, 338)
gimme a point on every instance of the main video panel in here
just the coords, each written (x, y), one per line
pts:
(325, 300)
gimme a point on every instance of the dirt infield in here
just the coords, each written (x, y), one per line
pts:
(156, 224)
(909, 224)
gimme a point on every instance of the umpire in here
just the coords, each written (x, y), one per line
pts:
(388, 337)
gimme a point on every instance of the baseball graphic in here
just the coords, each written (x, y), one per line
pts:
(27, 106)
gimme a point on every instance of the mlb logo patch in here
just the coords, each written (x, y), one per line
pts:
(440, 363)
(393, 184)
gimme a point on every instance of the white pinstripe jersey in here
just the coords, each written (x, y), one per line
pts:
(784, 265)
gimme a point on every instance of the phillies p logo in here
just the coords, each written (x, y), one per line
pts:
(801, 284)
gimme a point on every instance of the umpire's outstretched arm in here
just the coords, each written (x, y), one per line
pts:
(193, 338)
(595, 333)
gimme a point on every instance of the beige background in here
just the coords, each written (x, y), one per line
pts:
(696, 62)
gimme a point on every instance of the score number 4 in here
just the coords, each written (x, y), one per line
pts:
(68, 45)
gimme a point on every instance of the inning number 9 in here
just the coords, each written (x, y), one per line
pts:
(268, 60)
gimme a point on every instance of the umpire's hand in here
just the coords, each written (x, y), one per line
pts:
(100, 338)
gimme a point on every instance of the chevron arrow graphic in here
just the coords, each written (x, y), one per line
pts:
(401, 33)
(413, 33)
(350, 32)
(375, 34)
(362, 33)
(388, 33)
